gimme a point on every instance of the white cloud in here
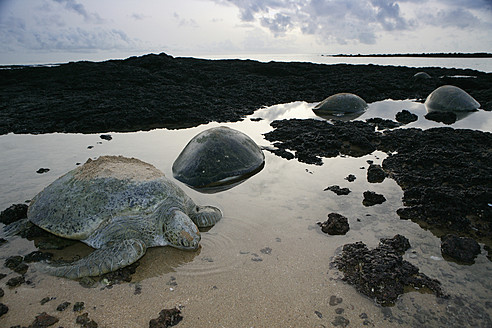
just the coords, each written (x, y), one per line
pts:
(182, 22)
(359, 21)
(138, 17)
(190, 27)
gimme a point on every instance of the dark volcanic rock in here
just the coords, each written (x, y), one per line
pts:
(336, 224)
(63, 306)
(382, 124)
(14, 213)
(3, 309)
(121, 275)
(337, 190)
(155, 91)
(84, 321)
(16, 264)
(350, 178)
(167, 318)
(16, 281)
(37, 256)
(313, 139)
(340, 321)
(44, 320)
(406, 117)
(13, 261)
(446, 177)
(282, 153)
(445, 173)
(381, 273)
(375, 174)
(78, 306)
(371, 198)
(462, 249)
(443, 117)
(399, 243)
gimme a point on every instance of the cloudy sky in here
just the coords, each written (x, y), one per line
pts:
(44, 31)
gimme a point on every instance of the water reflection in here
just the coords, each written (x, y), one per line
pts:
(386, 109)
(228, 183)
(446, 117)
(274, 208)
(340, 116)
(298, 109)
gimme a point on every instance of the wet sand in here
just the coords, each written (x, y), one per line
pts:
(266, 264)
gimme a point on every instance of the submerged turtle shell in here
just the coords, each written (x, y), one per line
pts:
(84, 199)
(341, 103)
(422, 76)
(218, 156)
(450, 98)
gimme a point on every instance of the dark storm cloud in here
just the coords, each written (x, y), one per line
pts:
(462, 14)
(457, 18)
(388, 15)
(278, 25)
(471, 4)
(50, 30)
(344, 21)
(12, 32)
(340, 20)
(79, 9)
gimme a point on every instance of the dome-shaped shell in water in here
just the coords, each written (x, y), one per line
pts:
(341, 103)
(218, 156)
(422, 76)
(450, 98)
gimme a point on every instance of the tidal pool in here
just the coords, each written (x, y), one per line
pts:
(266, 263)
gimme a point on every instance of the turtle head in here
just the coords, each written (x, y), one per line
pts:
(180, 232)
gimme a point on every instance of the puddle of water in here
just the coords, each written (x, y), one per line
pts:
(266, 263)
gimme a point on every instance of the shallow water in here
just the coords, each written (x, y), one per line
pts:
(480, 64)
(266, 264)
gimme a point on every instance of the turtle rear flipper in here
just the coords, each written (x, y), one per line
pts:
(206, 216)
(101, 261)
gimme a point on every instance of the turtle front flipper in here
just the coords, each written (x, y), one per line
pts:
(101, 261)
(206, 216)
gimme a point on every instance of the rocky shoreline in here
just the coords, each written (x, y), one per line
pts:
(445, 173)
(160, 91)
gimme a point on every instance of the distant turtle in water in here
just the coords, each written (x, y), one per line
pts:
(119, 206)
(341, 104)
(450, 98)
(422, 76)
(218, 159)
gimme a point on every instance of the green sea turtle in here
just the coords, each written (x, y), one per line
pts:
(422, 76)
(218, 159)
(450, 98)
(119, 206)
(341, 104)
